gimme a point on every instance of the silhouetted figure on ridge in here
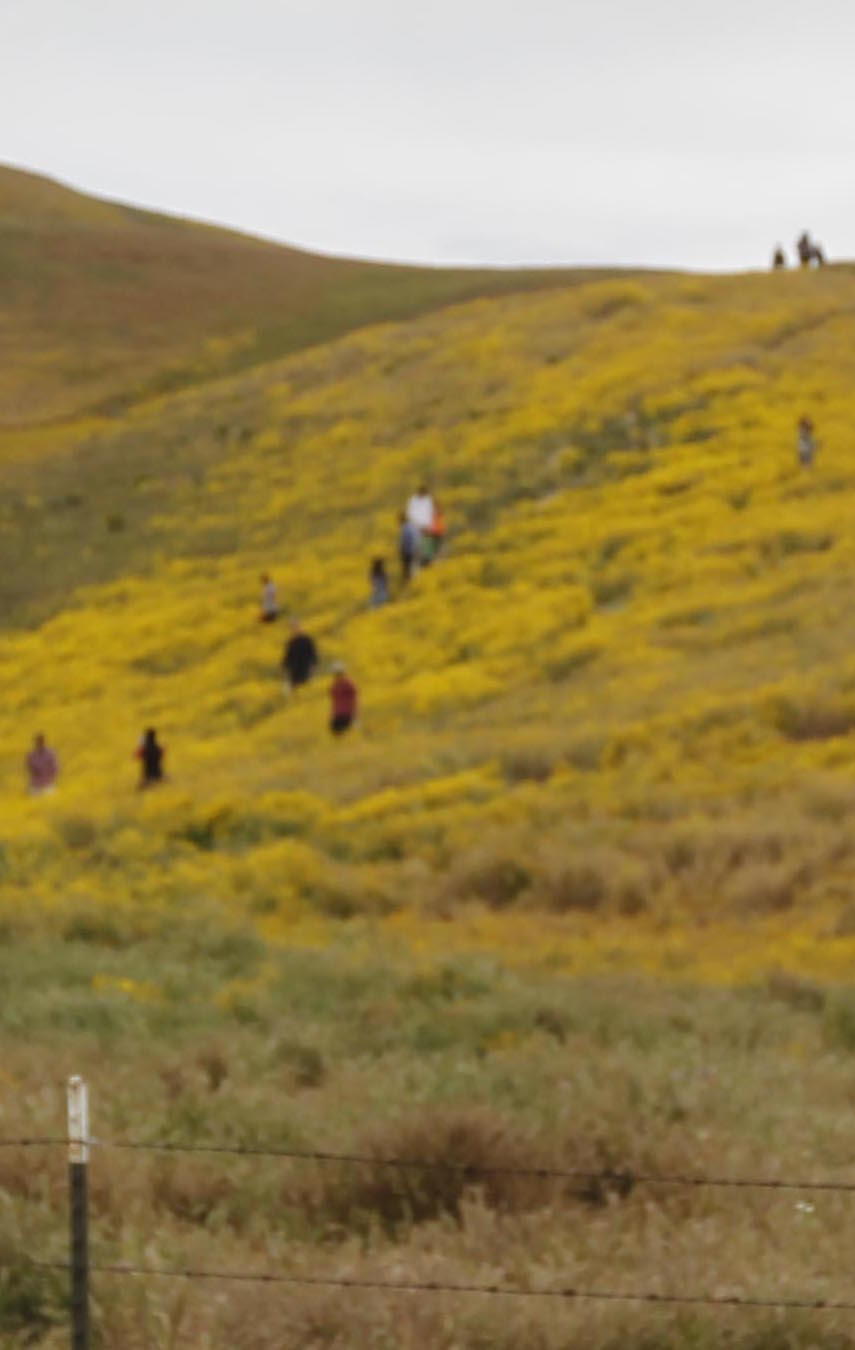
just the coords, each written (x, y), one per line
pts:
(808, 251)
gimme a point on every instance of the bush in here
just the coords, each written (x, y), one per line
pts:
(496, 879)
(569, 662)
(305, 1063)
(188, 1190)
(804, 995)
(763, 888)
(98, 926)
(460, 1147)
(78, 832)
(840, 1019)
(813, 720)
(575, 884)
(31, 1301)
(530, 764)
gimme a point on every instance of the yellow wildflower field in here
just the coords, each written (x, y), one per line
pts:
(609, 729)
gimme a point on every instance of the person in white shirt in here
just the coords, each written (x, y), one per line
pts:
(269, 600)
(420, 509)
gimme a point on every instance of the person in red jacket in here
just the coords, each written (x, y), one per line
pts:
(344, 698)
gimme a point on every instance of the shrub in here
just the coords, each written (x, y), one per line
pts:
(306, 1064)
(574, 884)
(78, 832)
(530, 764)
(813, 720)
(460, 1147)
(586, 754)
(762, 888)
(570, 661)
(99, 927)
(612, 592)
(31, 1301)
(495, 878)
(804, 995)
(839, 1019)
(187, 1189)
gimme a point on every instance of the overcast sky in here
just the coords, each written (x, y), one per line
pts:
(499, 131)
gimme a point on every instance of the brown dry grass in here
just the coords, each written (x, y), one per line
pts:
(461, 1064)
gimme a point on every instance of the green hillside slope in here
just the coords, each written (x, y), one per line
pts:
(101, 303)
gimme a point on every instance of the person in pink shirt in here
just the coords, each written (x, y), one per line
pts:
(42, 767)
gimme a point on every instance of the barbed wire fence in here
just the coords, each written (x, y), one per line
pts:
(81, 1143)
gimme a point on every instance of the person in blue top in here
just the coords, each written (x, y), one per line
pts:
(410, 545)
(379, 584)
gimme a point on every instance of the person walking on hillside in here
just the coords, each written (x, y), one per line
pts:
(379, 584)
(420, 509)
(344, 698)
(150, 753)
(409, 543)
(807, 444)
(42, 767)
(269, 600)
(809, 251)
(779, 259)
(432, 538)
(300, 657)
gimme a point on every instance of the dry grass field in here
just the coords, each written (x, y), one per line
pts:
(578, 889)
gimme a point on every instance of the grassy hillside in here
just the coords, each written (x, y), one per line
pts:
(607, 738)
(100, 302)
(623, 700)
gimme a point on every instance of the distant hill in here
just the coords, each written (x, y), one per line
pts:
(102, 303)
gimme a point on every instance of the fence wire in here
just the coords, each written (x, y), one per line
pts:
(567, 1293)
(618, 1177)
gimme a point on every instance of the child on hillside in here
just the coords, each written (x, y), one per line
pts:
(344, 699)
(379, 584)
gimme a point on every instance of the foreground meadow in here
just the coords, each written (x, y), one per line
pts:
(201, 1034)
(577, 890)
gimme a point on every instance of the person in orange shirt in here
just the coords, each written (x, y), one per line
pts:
(433, 538)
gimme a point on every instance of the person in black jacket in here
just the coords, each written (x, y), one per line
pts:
(150, 755)
(301, 656)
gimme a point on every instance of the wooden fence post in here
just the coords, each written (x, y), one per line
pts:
(78, 1162)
